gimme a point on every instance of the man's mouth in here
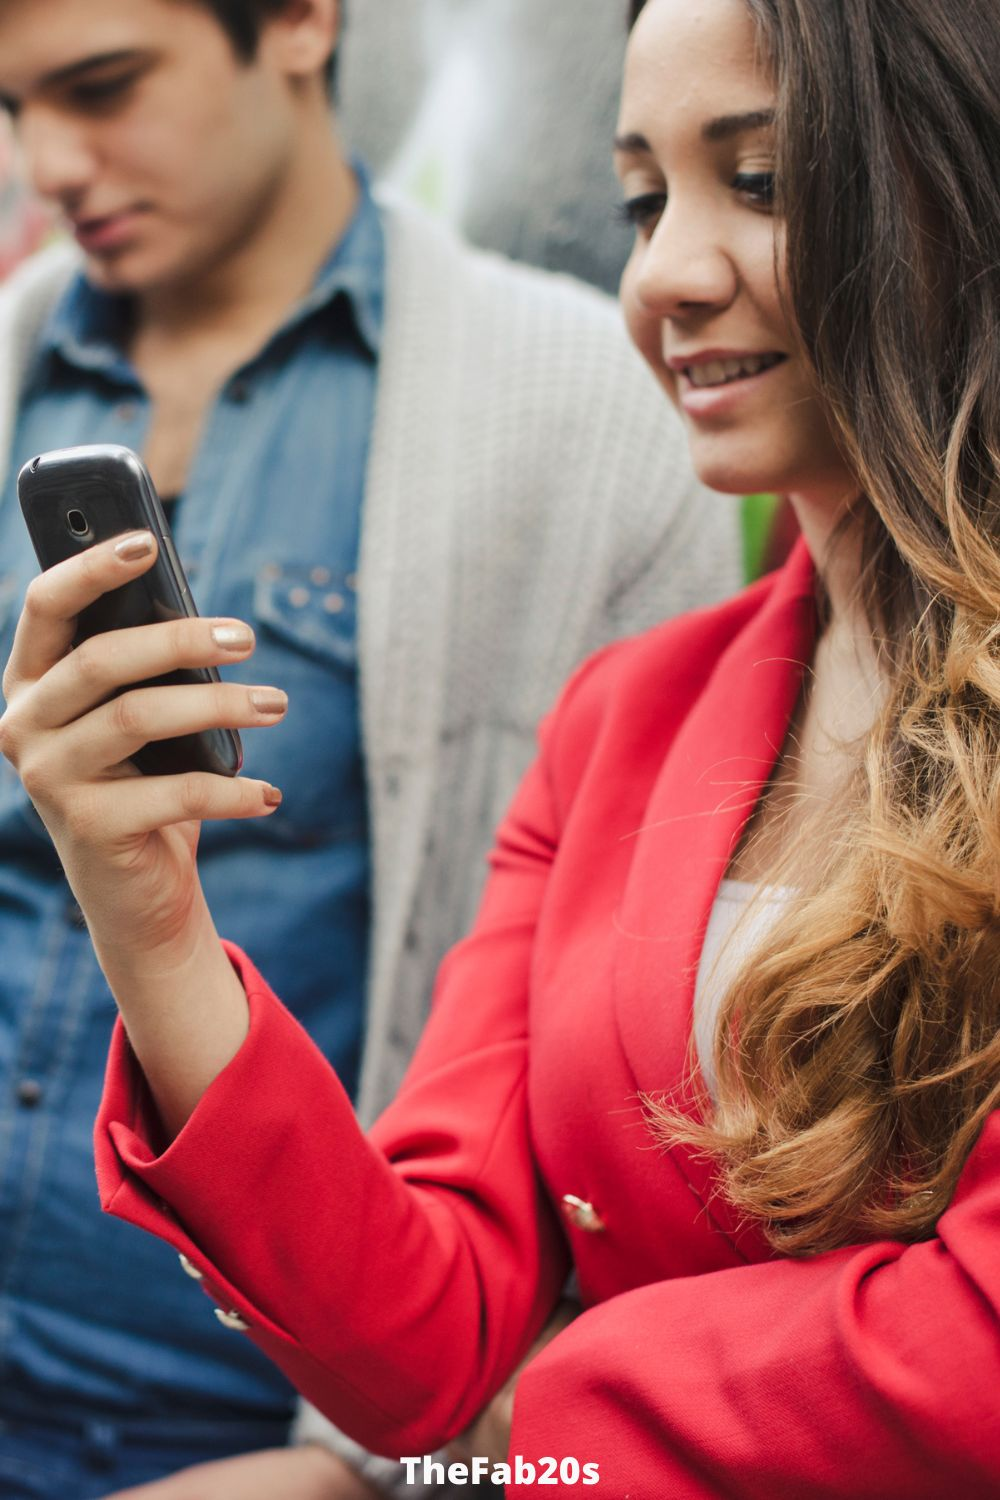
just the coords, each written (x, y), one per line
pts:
(105, 231)
(717, 372)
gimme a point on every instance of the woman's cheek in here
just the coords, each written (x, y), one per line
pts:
(646, 331)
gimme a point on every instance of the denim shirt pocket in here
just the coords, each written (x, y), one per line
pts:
(305, 617)
(312, 609)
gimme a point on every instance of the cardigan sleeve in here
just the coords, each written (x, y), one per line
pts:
(863, 1374)
(365, 1277)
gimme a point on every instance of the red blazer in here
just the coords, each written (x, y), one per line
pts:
(399, 1295)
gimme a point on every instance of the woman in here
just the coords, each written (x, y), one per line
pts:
(799, 1294)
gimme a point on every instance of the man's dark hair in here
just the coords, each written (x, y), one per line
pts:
(242, 21)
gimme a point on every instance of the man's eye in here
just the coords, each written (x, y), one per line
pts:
(643, 210)
(102, 91)
(757, 186)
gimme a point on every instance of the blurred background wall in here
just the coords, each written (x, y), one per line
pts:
(500, 115)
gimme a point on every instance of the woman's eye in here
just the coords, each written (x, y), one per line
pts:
(757, 186)
(643, 210)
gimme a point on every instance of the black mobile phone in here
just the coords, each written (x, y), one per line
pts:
(74, 497)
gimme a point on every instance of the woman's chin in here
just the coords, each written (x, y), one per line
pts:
(735, 463)
(731, 478)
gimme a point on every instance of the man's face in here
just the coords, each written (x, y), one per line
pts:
(163, 149)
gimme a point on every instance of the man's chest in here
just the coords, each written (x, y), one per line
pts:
(181, 387)
(268, 530)
(176, 420)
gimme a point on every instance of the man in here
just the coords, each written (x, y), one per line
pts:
(430, 480)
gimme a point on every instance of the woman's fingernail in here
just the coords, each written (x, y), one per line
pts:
(272, 797)
(131, 548)
(269, 700)
(233, 637)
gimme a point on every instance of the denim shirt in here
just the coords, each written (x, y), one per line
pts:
(94, 1314)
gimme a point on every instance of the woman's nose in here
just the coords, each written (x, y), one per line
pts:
(684, 267)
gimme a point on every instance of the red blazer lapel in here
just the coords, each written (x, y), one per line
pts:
(711, 778)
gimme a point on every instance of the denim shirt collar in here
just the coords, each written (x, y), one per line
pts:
(88, 328)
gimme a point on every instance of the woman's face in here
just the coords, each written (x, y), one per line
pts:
(695, 155)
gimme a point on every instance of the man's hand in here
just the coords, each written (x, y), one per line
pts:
(306, 1473)
(489, 1435)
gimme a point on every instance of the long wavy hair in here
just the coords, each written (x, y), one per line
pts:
(859, 1055)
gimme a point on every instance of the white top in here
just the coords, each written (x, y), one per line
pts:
(735, 929)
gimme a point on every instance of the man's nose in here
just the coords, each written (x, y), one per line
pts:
(685, 266)
(58, 156)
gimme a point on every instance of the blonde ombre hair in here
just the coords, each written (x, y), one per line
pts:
(858, 1056)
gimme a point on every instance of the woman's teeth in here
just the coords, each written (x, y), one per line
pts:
(722, 371)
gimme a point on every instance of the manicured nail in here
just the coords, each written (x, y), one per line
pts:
(233, 637)
(272, 797)
(269, 700)
(131, 548)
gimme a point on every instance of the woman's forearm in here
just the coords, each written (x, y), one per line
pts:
(185, 1013)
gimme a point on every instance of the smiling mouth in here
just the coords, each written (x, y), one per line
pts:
(718, 372)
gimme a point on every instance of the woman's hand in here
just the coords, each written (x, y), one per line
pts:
(127, 842)
(306, 1473)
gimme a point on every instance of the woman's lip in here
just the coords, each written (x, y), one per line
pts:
(109, 232)
(713, 400)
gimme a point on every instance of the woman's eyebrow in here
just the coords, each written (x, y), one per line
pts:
(719, 129)
(728, 125)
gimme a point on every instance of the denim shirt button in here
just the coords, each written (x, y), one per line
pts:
(29, 1092)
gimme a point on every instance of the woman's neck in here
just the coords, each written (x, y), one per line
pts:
(830, 525)
(842, 694)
